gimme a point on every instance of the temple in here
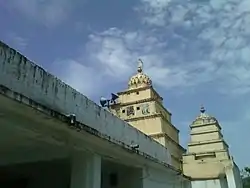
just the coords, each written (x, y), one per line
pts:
(206, 161)
(141, 106)
(53, 136)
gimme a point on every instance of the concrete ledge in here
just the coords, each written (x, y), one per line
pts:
(26, 79)
(77, 126)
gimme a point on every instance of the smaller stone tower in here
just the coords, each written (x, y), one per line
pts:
(208, 161)
(142, 107)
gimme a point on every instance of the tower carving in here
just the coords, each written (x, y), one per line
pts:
(207, 158)
(142, 107)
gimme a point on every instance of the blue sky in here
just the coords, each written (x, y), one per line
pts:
(196, 52)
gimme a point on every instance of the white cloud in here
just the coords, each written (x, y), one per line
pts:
(186, 45)
(81, 77)
(217, 33)
(202, 43)
(20, 42)
(225, 35)
(156, 11)
(113, 53)
(48, 12)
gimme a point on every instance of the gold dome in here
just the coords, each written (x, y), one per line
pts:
(140, 79)
(204, 118)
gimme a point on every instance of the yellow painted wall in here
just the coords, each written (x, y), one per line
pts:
(198, 129)
(135, 96)
(207, 147)
(148, 126)
(172, 132)
(206, 136)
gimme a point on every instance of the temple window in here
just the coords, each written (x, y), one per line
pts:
(130, 110)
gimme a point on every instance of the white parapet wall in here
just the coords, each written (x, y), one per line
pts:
(20, 75)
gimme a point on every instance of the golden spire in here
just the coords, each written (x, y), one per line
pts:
(204, 116)
(202, 110)
(140, 79)
(140, 66)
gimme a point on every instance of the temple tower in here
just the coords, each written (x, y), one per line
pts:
(142, 107)
(207, 160)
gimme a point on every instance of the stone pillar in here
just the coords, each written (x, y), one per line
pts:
(180, 182)
(187, 184)
(230, 178)
(85, 171)
(233, 177)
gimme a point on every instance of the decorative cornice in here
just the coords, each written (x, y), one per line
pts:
(208, 142)
(213, 154)
(202, 153)
(206, 132)
(140, 89)
(143, 117)
(151, 99)
(133, 90)
(158, 135)
(208, 178)
(203, 125)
